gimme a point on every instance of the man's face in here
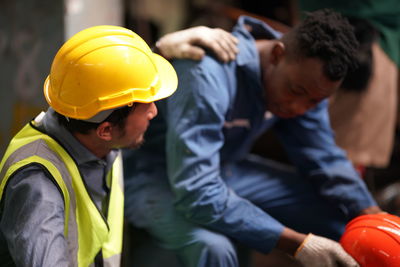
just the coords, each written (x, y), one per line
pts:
(294, 86)
(136, 124)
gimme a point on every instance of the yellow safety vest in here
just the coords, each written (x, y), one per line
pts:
(86, 230)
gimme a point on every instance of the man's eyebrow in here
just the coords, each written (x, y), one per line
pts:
(306, 92)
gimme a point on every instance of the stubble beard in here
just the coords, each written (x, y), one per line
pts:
(138, 144)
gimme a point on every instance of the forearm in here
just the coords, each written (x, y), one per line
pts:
(290, 241)
(237, 218)
(371, 210)
(310, 144)
(203, 197)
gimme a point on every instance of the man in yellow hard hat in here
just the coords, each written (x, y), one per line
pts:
(61, 187)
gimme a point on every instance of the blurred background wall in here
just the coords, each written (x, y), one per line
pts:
(31, 32)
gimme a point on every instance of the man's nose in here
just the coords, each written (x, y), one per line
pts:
(300, 107)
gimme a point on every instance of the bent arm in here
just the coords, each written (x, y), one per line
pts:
(310, 144)
(195, 116)
(32, 220)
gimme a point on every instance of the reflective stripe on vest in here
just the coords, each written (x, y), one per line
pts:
(86, 230)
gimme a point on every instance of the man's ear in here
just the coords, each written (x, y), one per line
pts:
(104, 131)
(277, 52)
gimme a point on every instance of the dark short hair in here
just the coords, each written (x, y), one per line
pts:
(357, 79)
(117, 118)
(328, 36)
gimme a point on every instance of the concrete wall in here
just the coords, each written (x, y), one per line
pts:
(80, 14)
(31, 32)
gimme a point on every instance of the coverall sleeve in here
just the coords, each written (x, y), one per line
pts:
(32, 220)
(195, 117)
(310, 144)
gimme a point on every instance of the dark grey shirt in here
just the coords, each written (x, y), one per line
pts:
(32, 220)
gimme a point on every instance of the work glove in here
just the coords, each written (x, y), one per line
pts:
(317, 251)
(191, 43)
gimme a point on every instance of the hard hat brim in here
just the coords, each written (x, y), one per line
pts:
(167, 76)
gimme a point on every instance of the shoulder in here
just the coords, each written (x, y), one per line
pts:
(205, 80)
(33, 183)
(208, 67)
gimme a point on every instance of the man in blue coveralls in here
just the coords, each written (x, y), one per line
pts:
(194, 185)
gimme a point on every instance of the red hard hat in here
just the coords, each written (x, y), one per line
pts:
(373, 240)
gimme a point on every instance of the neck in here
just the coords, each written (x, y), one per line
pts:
(264, 48)
(94, 144)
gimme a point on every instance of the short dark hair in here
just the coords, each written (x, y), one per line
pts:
(117, 118)
(328, 36)
(357, 79)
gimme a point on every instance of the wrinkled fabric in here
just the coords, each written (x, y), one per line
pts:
(32, 218)
(194, 171)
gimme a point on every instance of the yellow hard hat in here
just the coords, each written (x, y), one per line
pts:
(106, 67)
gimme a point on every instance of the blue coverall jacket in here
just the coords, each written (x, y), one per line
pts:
(194, 175)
